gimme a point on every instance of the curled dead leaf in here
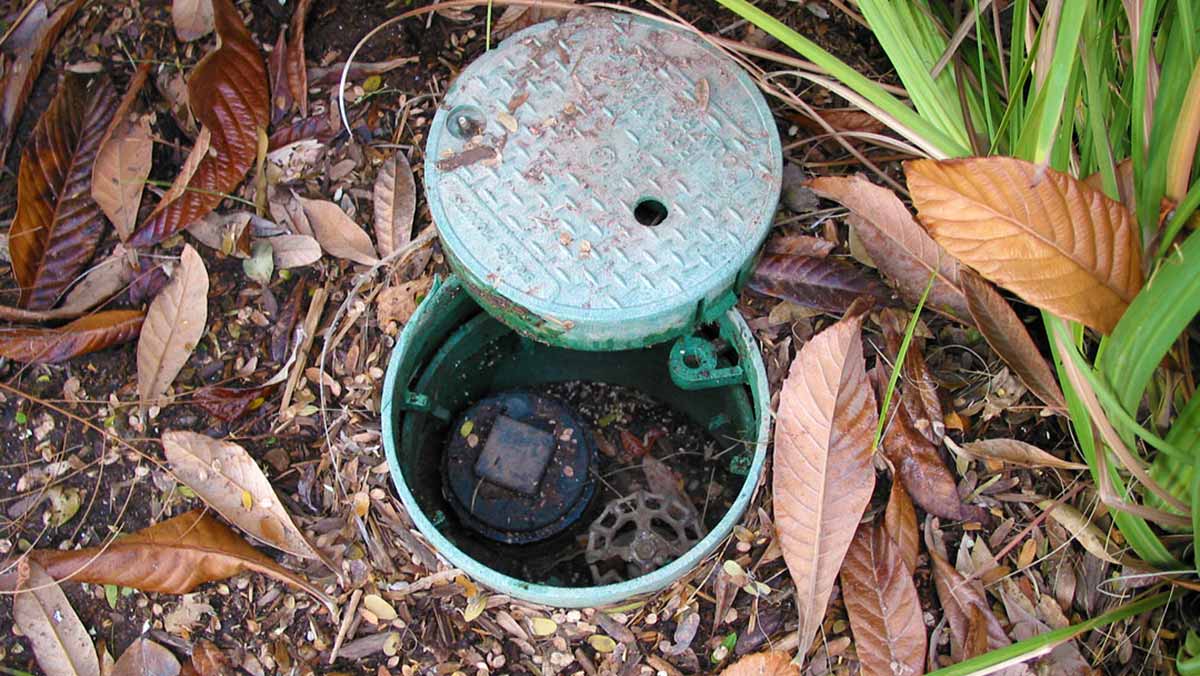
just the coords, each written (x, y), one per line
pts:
(1007, 335)
(337, 233)
(1017, 453)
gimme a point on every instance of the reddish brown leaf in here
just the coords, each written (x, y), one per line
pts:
(84, 335)
(823, 473)
(960, 600)
(281, 98)
(294, 65)
(228, 93)
(317, 127)
(799, 245)
(827, 284)
(763, 664)
(919, 392)
(325, 76)
(21, 71)
(882, 602)
(1044, 235)
(901, 249)
(900, 523)
(921, 468)
(1006, 334)
(58, 224)
(144, 657)
(171, 557)
(208, 660)
(231, 403)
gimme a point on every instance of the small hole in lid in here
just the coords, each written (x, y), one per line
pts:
(650, 211)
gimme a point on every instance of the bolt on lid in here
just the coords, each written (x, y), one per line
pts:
(601, 181)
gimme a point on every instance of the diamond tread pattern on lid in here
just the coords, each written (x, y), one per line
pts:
(544, 148)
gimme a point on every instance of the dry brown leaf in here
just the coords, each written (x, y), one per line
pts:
(961, 599)
(174, 325)
(338, 234)
(395, 204)
(900, 523)
(193, 19)
(120, 173)
(1006, 334)
(397, 303)
(224, 475)
(123, 161)
(294, 251)
(822, 459)
(171, 557)
(21, 71)
(882, 602)
(227, 92)
(43, 614)
(1081, 528)
(104, 280)
(58, 225)
(828, 284)
(901, 249)
(799, 245)
(1042, 234)
(144, 657)
(763, 664)
(924, 473)
(82, 336)
(516, 17)
(294, 64)
(188, 169)
(1017, 453)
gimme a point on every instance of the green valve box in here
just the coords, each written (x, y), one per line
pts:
(600, 184)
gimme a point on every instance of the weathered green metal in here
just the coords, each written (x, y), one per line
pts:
(602, 181)
(452, 353)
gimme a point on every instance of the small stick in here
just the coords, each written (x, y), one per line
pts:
(309, 329)
(351, 609)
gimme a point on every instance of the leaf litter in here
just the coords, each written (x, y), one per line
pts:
(223, 390)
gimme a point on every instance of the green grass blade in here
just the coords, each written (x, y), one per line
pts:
(928, 132)
(900, 355)
(1043, 643)
(1149, 327)
(1041, 131)
(1140, 536)
(913, 44)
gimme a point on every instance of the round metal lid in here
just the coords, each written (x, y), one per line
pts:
(601, 180)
